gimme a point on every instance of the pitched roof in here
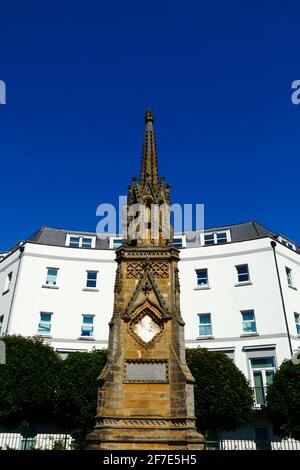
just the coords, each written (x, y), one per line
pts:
(57, 237)
(239, 232)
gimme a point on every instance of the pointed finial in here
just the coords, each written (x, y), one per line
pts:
(149, 117)
(149, 170)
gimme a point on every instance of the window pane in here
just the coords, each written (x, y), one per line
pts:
(243, 273)
(46, 317)
(269, 376)
(258, 381)
(91, 279)
(222, 237)
(204, 319)
(202, 278)
(86, 242)
(289, 276)
(242, 269)
(259, 388)
(263, 363)
(74, 241)
(92, 275)
(209, 239)
(88, 319)
(247, 316)
(44, 327)
(243, 277)
(91, 284)
(117, 243)
(205, 330)
(87, 330)
(177, 242)
(52, 271)
(249, 327)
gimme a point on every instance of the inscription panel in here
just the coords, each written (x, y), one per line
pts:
(146, 371)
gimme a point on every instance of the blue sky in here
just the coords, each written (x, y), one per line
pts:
(80, 75)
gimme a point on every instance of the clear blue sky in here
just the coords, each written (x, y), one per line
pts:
(217, 75)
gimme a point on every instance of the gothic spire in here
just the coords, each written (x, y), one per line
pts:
(149, 158)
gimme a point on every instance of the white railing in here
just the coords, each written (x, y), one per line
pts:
(244, 444)
(10, 440)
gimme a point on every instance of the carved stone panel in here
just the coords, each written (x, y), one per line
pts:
(134, 270)
(159, 270)
(146, 371)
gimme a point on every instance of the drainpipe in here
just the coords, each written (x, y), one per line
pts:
(14, 291)
(273, 245)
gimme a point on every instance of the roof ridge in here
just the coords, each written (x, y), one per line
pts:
(69, 230)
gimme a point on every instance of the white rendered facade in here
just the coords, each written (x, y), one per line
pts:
(222, 295)
(247, 319)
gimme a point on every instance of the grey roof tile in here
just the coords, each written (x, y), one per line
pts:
(239, 232)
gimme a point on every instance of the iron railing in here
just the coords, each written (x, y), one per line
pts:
(260, 395)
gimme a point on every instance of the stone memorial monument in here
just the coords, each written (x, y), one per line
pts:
(146, 390)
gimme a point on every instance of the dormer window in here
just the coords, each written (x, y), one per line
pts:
(215, 238)
(179, 241)
(80, 241)
(115, 242)
(287, 243)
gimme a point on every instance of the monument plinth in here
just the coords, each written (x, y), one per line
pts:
(146, 391)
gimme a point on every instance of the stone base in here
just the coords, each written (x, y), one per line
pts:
(145, 434)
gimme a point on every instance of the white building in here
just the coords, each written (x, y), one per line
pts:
(59, 284)
(240, 294)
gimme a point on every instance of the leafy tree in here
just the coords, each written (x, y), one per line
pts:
(76, 399)
(28, 381)
(283, 400)
(223, 398)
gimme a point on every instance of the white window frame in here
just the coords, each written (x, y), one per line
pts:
(87, 278)
(289, 276)
(55, 284)
(263, 371)
(8, 282)
(92, 325)
(81, 237)
(49, 323)
(248, 272)
(199, 286)
(250, 310)
(297, 322)
(112, 242)
(183, 240)
(215, 233)
(210, 335)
